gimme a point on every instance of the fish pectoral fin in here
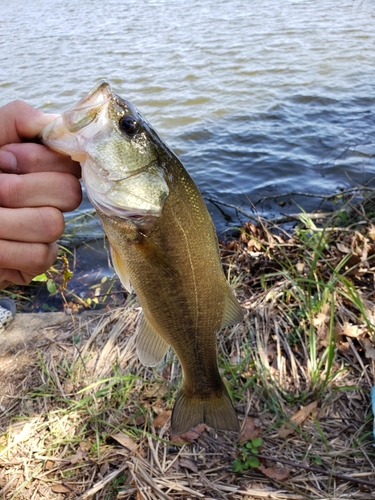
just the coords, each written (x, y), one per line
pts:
(151, 347)
(121, 270)
(233, 313)
(157, 257)
(217, 412)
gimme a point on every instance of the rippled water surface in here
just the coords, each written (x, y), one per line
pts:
(256, 97)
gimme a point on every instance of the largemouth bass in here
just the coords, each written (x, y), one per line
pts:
(163, 243)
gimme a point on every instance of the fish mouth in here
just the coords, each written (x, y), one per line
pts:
(86, 117)
(86, 110)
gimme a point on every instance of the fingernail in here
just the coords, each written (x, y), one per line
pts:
(8, 162)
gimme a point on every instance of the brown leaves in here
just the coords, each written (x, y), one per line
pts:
(278, 474)
(189, 464)
(190, 436)
(297, 419)
(350, 330)
(161, 419)
(81, 453)
(60, 488)
(125, 441)
(368, 347)
(250, 430)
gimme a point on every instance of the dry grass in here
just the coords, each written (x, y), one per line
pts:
(82, 419)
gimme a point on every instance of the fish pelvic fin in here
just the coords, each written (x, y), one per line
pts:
(151, 347)
(217, 412)
(120, 269)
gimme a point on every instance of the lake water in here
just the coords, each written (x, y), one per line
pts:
(256, 97)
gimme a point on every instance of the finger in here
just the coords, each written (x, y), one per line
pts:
(29, 258)
(20, 121)
(54, 189)
(34, 225)
(28, 157)
(9, 276)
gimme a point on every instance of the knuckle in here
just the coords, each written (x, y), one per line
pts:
(11, 190)
(16, 105)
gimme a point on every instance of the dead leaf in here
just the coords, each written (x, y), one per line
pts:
(273, 473)
(60, 488)
(251, 244)
(154, 390)
(23, 434)
(271, 352)
(321, 319)
(189, 436)
(125, 441)
(344, 348)
(166, 373)
(297, 419)
(249, 430)
(104, 468)
(139, 420)
(351, 330)
(78, 457)
(343, 248)
(302, 414)
(368, 347)
(85, 446)
(49, 465)
(300, 266)
(188, 464)
(285, 430)
(161, 419)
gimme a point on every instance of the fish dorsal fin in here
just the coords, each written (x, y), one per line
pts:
(232, 310)
(151, 347)
(121, 270)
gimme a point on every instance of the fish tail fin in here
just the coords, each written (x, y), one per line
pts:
(216, 411)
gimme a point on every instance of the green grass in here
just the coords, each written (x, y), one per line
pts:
(85, 395)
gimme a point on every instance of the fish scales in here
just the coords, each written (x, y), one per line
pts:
(170, 256)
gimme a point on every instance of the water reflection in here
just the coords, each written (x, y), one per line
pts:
(256, 98)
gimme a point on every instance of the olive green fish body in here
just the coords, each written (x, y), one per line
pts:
(176, 272)
(163, 243)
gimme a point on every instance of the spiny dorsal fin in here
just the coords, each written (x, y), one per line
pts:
(121, 270)
(232, 310)
(151, 347)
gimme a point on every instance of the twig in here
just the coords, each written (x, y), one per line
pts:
(277, 220)
(317, 195)
(313, 468)
(99, 485)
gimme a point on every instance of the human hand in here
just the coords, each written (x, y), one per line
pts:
(36, 186)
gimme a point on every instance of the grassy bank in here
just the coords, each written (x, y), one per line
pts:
(83, 419)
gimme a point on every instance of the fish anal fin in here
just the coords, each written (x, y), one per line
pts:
(233, 313)
(216, 412)
(121, 270)
(151, 347)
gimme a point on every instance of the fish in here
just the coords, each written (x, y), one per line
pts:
(163, 246)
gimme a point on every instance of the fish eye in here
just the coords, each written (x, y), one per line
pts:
(128, 125)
